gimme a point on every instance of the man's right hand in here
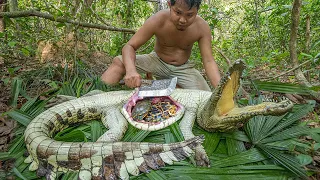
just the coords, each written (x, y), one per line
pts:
(132, 79)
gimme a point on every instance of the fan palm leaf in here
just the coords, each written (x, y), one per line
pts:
(278, 129)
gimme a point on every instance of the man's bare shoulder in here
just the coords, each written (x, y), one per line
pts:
(159, 18)
(200, 22)
(202, 26)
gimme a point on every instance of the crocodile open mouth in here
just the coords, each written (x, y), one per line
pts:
(154, 113)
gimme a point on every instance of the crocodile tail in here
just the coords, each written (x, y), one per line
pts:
(134, 158)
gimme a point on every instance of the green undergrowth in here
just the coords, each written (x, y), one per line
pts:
(267, 147)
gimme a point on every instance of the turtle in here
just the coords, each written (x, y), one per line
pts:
(153, 110)
(161, 111)
(141, 109)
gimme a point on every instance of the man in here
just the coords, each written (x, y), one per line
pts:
(176, 30)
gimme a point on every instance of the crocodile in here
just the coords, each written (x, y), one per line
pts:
(109, 158)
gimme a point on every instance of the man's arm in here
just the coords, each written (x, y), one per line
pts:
(132, 78)
(209, 63)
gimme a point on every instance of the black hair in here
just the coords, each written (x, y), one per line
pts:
(190, 3)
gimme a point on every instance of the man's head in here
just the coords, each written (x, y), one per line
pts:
(183, 12)
(190, 3)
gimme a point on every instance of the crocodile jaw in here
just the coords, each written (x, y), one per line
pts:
(238, 116)
(221, 112)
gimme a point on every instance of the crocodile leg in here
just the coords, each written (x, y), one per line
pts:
(117, 124)
(186, 125)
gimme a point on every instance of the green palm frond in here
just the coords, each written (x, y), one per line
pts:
(96, 130)
(286, 160)
(246, 172)
(234, 146)
(258, 152)
(16, 89)
(211, 141)
(274, 136)
(283, 87)
(20, 116)
(246, 157)
(293, 132)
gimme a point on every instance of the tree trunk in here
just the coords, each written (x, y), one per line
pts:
(2, 27)
(13, 5)
(308, 37)
(295, 15)
(257, 24)
(128, 19)
(2, 9)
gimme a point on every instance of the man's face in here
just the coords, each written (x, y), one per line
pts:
(181, 15)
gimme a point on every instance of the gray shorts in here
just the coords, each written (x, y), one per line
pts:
(188, 76)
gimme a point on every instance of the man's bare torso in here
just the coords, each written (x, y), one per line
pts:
(172, 45)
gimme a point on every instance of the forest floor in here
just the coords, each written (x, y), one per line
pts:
(7, 73)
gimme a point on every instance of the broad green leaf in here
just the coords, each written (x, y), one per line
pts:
(175, 130)
(12, 44)
(315, 44)
(30, 174)
(156, 175)
(306, 55)
(20, 116)
(70, 176)
(211, 140)
(292, 117)
(72, 136)
(60, 25)
(237, 135)
(135, 135)
(285, 160)
(304, 159)
(316, 146)
(283, 145)
(169, 138)
(18, 173)
(237, 172)
(17, 145)
(96, 130)
(315, 136)
(5, 156)
(18, 161)
(282, 87)
(234, 147)
(300, 146)
(249, 156)
(295, 131)
(25, 51)
(15, 91)
(33, 107)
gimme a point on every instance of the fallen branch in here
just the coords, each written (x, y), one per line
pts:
(223, 55)
(32, 12)
(274, 77)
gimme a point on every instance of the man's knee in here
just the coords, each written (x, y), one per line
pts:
(114, 72)
(117, 63)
